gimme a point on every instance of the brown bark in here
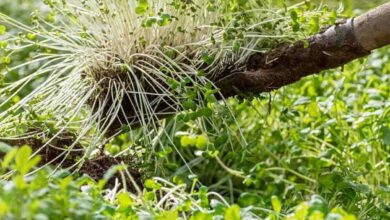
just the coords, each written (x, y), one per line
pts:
(338, 45)
(372, 29)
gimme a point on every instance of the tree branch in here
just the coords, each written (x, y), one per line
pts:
(338, 45)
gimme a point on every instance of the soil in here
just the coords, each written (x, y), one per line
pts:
(53, 155)
(95, 168)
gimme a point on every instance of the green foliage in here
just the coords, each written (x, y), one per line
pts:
(327, 135)
(233, 213)
(36, 196)
(3, 29)
(64, 196)
(317, 150)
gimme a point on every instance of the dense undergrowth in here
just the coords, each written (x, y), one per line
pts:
(318, 149)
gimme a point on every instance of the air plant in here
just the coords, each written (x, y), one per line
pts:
(109, 66)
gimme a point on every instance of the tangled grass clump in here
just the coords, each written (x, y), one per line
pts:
(108, 66)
